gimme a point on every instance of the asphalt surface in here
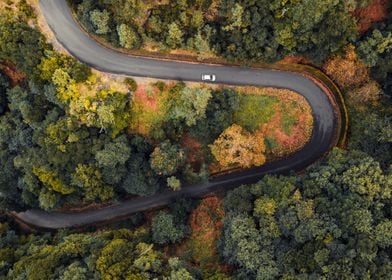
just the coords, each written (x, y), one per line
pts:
(84, 48)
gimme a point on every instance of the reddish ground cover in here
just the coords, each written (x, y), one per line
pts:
(148, 108)
(287, 142)
(206, 222)
(376, 11)
(194, 153)
(148, 99)
(12, 73)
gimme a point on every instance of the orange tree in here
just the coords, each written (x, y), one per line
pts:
(236, 146)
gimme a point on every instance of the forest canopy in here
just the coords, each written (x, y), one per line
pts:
(262, 31)
(68, 137)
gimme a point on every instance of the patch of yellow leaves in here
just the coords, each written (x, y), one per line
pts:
(238, 147)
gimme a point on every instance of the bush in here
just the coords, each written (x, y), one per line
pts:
(131, 83)
(165, 230)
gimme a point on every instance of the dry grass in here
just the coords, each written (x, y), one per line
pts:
(100, 81)
(149, 108)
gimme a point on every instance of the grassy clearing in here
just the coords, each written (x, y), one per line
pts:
(149, 108)
(255, 110)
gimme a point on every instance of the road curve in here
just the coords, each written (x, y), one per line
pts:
(79, 44)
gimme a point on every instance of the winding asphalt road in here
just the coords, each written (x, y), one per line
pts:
(69, 34)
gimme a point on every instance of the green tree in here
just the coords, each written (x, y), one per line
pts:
(174, 37)
(128, 37)
(114, 153)
(174, 183)
(167, 158)
(100, 20)
(311, 225)
(383, 233)
(165, 230)
(178, 271)
(371, 49)
(89, 179)
(21, 44)
(190, 105)
(74, 271)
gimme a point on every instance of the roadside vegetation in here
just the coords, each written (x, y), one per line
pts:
(79, 138)
(71, 136)
(256, 31)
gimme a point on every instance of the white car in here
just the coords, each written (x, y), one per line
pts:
(208, 77)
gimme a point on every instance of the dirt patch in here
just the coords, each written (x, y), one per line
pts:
(376, 11)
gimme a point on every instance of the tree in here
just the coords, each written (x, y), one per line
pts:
(236, 146)
(114, 153)
(80, 72)
(115, 258)
(375, 46)
(383, 233)
(100, 20)
(330, 16)
(167, 158)
(165, 230)
(190, 105)
(347, 71)
(131, 83)
(108, 110)
(112, 160)
(235, 19)
(174, 183)
(202, 46)
(128, 37)
(75, 271)
(140, 178)
(309, 226)
(219, 115)
(174, 37)
(89, 179)
(21, 44)
(50, 179)
(178, 271)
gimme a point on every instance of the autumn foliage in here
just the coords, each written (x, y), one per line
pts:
(347, 71)
(352, 76)
(368, 93)
(236, 146)
(376, 11)
(206, 223)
